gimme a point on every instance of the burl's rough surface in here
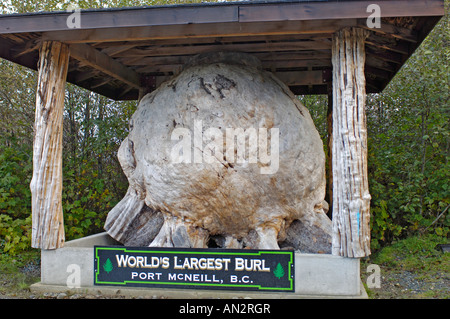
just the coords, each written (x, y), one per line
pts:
(225, 203)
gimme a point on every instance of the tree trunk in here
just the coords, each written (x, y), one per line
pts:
(351, 198)
(329, 172)
(46, 183)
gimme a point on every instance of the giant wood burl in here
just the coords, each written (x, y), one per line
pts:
(223, 155)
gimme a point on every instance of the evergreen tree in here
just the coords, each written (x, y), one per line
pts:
(279, 271)
(108, 266)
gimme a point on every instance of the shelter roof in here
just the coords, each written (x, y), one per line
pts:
(118, 51)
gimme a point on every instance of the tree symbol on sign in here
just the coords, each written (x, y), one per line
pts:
(279, 271)
(108, 266)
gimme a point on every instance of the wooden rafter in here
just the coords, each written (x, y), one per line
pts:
(104, 63)
(241, 47)
(193, 31)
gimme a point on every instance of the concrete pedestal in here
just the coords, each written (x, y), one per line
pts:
(316, 276)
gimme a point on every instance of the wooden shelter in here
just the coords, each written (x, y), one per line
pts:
(340, 48)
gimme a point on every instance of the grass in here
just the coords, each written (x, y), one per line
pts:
(413, 253)
(411, 268)
(14, 281)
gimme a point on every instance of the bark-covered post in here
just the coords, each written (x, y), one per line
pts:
(351, 198)
(46, 183)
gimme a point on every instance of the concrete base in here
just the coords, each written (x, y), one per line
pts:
(316, 276)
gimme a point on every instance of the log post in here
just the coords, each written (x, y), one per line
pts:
(46, 183)
(329, 168)
(351, 198)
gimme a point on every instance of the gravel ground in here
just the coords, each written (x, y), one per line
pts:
(405, 284)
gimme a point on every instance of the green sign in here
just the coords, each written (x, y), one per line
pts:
(263, 270)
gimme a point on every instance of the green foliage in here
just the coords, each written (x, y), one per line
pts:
(86, 201)
(409, 145)
(15, 168)
(414, 253)
(15, 198)
(15, 234)
(93, 179)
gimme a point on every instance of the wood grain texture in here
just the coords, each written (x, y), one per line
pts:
(351, 198)
(104, 63)
(46, 183)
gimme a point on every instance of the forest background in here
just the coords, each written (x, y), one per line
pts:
(408, 139)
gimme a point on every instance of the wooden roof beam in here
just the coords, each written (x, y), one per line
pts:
(397, 32)
(242, 47)
(299, 78)
(207, 40)
(192, 31)
(337, 10)
(104, 63)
